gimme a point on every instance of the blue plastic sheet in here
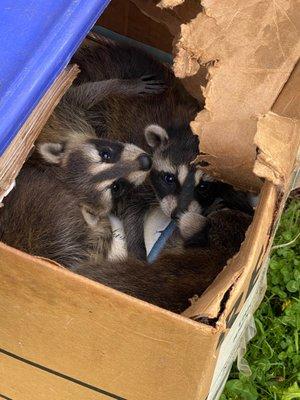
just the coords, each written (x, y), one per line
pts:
(37, 40)
(161, 242)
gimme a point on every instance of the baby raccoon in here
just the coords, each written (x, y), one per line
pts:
(89, 166)
(177, 275)
(211, 193)
(157, 122)
(59, 208)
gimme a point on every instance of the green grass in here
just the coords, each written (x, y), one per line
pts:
(273, 355)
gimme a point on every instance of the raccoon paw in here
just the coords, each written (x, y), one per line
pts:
(150, 84)
(191, 223)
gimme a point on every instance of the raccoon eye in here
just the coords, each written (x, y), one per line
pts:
(204, 185)
(118, 187)
(105, 155)
(169, 178)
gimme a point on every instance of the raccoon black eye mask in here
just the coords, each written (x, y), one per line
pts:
(172, 176)
(97, 170)
(59, 208)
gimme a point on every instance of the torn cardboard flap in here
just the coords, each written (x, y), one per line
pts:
(278, 134)
(244, 81)
(278, 140)
(223, 157)
(248, 65)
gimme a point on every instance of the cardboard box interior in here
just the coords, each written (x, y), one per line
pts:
(67, 337)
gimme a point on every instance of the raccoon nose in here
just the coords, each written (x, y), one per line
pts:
(145, 162)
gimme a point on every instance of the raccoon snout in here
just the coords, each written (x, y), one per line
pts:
(193, 207)
(145, 162)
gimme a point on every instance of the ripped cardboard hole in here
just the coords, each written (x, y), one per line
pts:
(212, 321)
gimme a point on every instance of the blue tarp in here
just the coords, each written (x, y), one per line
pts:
(37, 40)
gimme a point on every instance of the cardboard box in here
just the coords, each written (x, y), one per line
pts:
(65, 337)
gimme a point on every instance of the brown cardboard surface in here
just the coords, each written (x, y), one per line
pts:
(14, 157)
(278, 140)
(165, 17)
(90, 333)
(23, 381)
(248, 64)
(124, 17)
(278, 135)
(247, 71)
(287, 103)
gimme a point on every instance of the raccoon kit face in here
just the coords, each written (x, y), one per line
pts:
(212, 194)
(97, 171)
(172, 176)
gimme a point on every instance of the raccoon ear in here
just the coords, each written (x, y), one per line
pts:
(89, 216)
(156, 136)
(51, 152)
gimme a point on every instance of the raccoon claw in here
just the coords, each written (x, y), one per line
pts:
(150, 84)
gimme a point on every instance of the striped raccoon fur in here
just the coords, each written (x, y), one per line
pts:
(157, 122)
(59, 207)
(178, 274)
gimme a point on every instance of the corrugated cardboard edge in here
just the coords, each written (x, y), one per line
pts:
(14, 157)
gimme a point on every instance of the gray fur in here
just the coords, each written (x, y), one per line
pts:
(126, 116)
(178, 274)
(59, 208)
